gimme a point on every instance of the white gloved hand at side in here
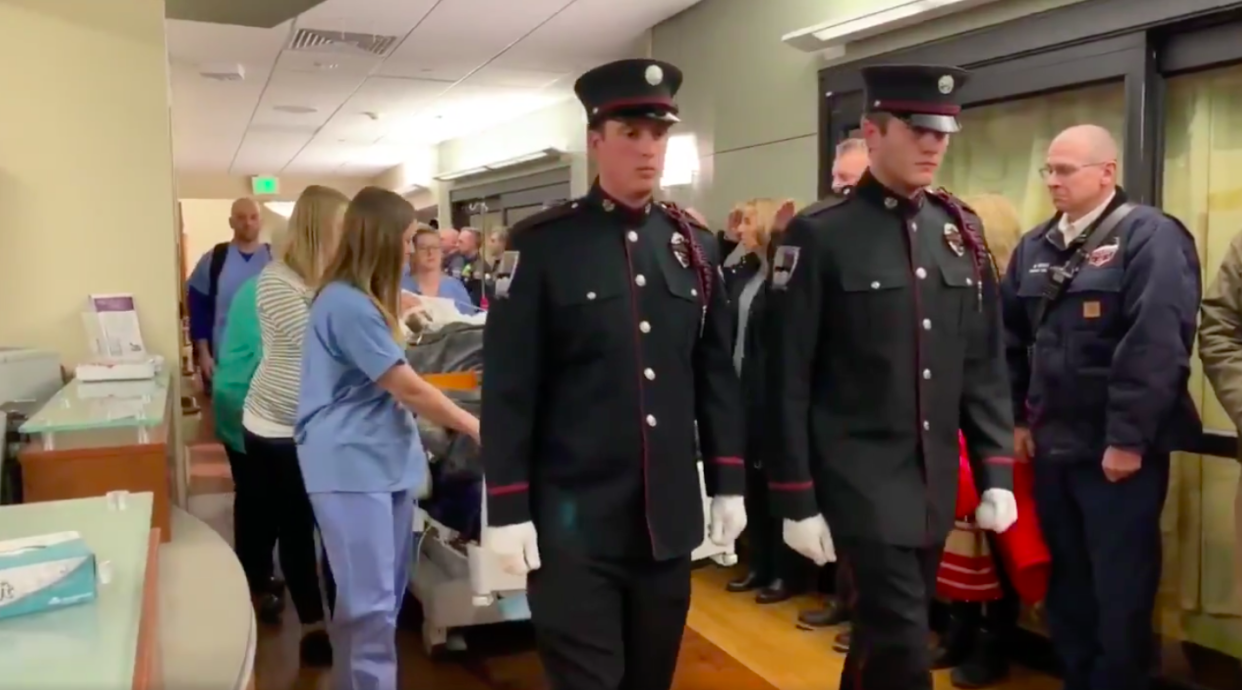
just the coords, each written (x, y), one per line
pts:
(997, 511)
(811, 538)
(728, 519)
(517, 545)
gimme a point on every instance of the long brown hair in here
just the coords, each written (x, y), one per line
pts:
(373, 250)
(311, 234)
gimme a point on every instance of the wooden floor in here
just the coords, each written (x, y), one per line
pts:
(730, 641)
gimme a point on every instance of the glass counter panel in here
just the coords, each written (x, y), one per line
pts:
(92, 645)
(84, 415)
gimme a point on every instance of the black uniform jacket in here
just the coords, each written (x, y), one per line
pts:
(605, 345)
(1112, 355)
(887, 339)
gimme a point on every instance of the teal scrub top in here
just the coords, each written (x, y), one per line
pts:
(237, 358)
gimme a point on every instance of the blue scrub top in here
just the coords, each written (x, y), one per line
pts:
(352, 435)
(450, 288)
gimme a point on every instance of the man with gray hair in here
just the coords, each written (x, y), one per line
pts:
(849, 163)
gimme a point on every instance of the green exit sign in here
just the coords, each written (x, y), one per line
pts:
(264, 185)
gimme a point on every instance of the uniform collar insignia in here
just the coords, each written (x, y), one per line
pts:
(627, 214)
(874, 191)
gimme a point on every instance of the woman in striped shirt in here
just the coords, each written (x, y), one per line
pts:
(285, 290)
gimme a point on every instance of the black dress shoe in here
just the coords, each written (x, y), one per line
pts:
(746, 583)
(955, 644)
(986, 665)
(268, 607)
(841, 643)
(315, 650)
(832, 614)
(776, 592)
(276, 586)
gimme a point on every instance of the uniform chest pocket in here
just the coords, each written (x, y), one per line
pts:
(584, 316)
(958, 294)
(1093, 298)
(875, 302)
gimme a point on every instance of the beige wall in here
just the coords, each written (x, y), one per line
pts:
(209, 186)
(86, 185)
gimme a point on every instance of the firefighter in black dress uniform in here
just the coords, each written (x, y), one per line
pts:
(607, 340)
(887, 341)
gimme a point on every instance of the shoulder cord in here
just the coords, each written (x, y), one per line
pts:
(698, 259)
(972, 237)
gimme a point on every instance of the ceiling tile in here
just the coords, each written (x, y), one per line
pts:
(493, 75)
(326, 62)
(267, 151)
(468, 31)
(384, 17)
(199, 42)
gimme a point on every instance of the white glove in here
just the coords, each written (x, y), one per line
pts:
(517, 545)
(997, 510)
(811, 538)
(728, 519)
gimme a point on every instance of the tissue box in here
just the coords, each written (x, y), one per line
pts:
(45, 572)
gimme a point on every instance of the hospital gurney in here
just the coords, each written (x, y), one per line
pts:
(458, 582)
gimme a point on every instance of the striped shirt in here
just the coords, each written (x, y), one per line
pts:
(283, 301)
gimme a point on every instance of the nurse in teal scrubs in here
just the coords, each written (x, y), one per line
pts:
(358, 444)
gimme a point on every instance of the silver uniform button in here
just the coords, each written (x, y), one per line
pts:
(651, 420)
(644, 327)
(875, 285)
(694, 292)
(649, 374)
(927, 374)
(640, 280)
(590, 295)
(926, 426)
(970, 281)
(927, 324)
(914, 227)
(921, 272)
(631, 236)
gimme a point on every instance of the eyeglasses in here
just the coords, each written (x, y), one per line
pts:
(1064, 170)
(432, 249)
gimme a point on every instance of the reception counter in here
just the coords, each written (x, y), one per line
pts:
(92, 438)
(170, 616)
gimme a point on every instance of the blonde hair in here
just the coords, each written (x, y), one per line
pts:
(311, 231)
(1002, 228)
(763, 212)
(373, 250)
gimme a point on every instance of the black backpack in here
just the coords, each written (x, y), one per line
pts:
(219, 254)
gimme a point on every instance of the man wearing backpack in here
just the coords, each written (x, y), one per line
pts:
(216, 278)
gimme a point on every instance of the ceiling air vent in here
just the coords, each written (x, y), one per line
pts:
(320, 40)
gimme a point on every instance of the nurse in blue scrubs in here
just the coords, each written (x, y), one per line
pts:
(358, 445)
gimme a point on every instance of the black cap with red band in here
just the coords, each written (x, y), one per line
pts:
(630, 88)
(925, 96)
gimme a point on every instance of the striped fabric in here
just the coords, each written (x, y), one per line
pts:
(967, 569)
(283, 300)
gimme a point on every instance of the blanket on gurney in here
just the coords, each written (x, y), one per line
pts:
(456, 471)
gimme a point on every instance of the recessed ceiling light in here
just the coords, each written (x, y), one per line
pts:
(295, 109)
(326, 65)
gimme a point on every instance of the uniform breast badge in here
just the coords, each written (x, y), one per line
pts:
(505, 273)
(783, 265)
(1102, 256)
(681, 251)
(953, 238)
